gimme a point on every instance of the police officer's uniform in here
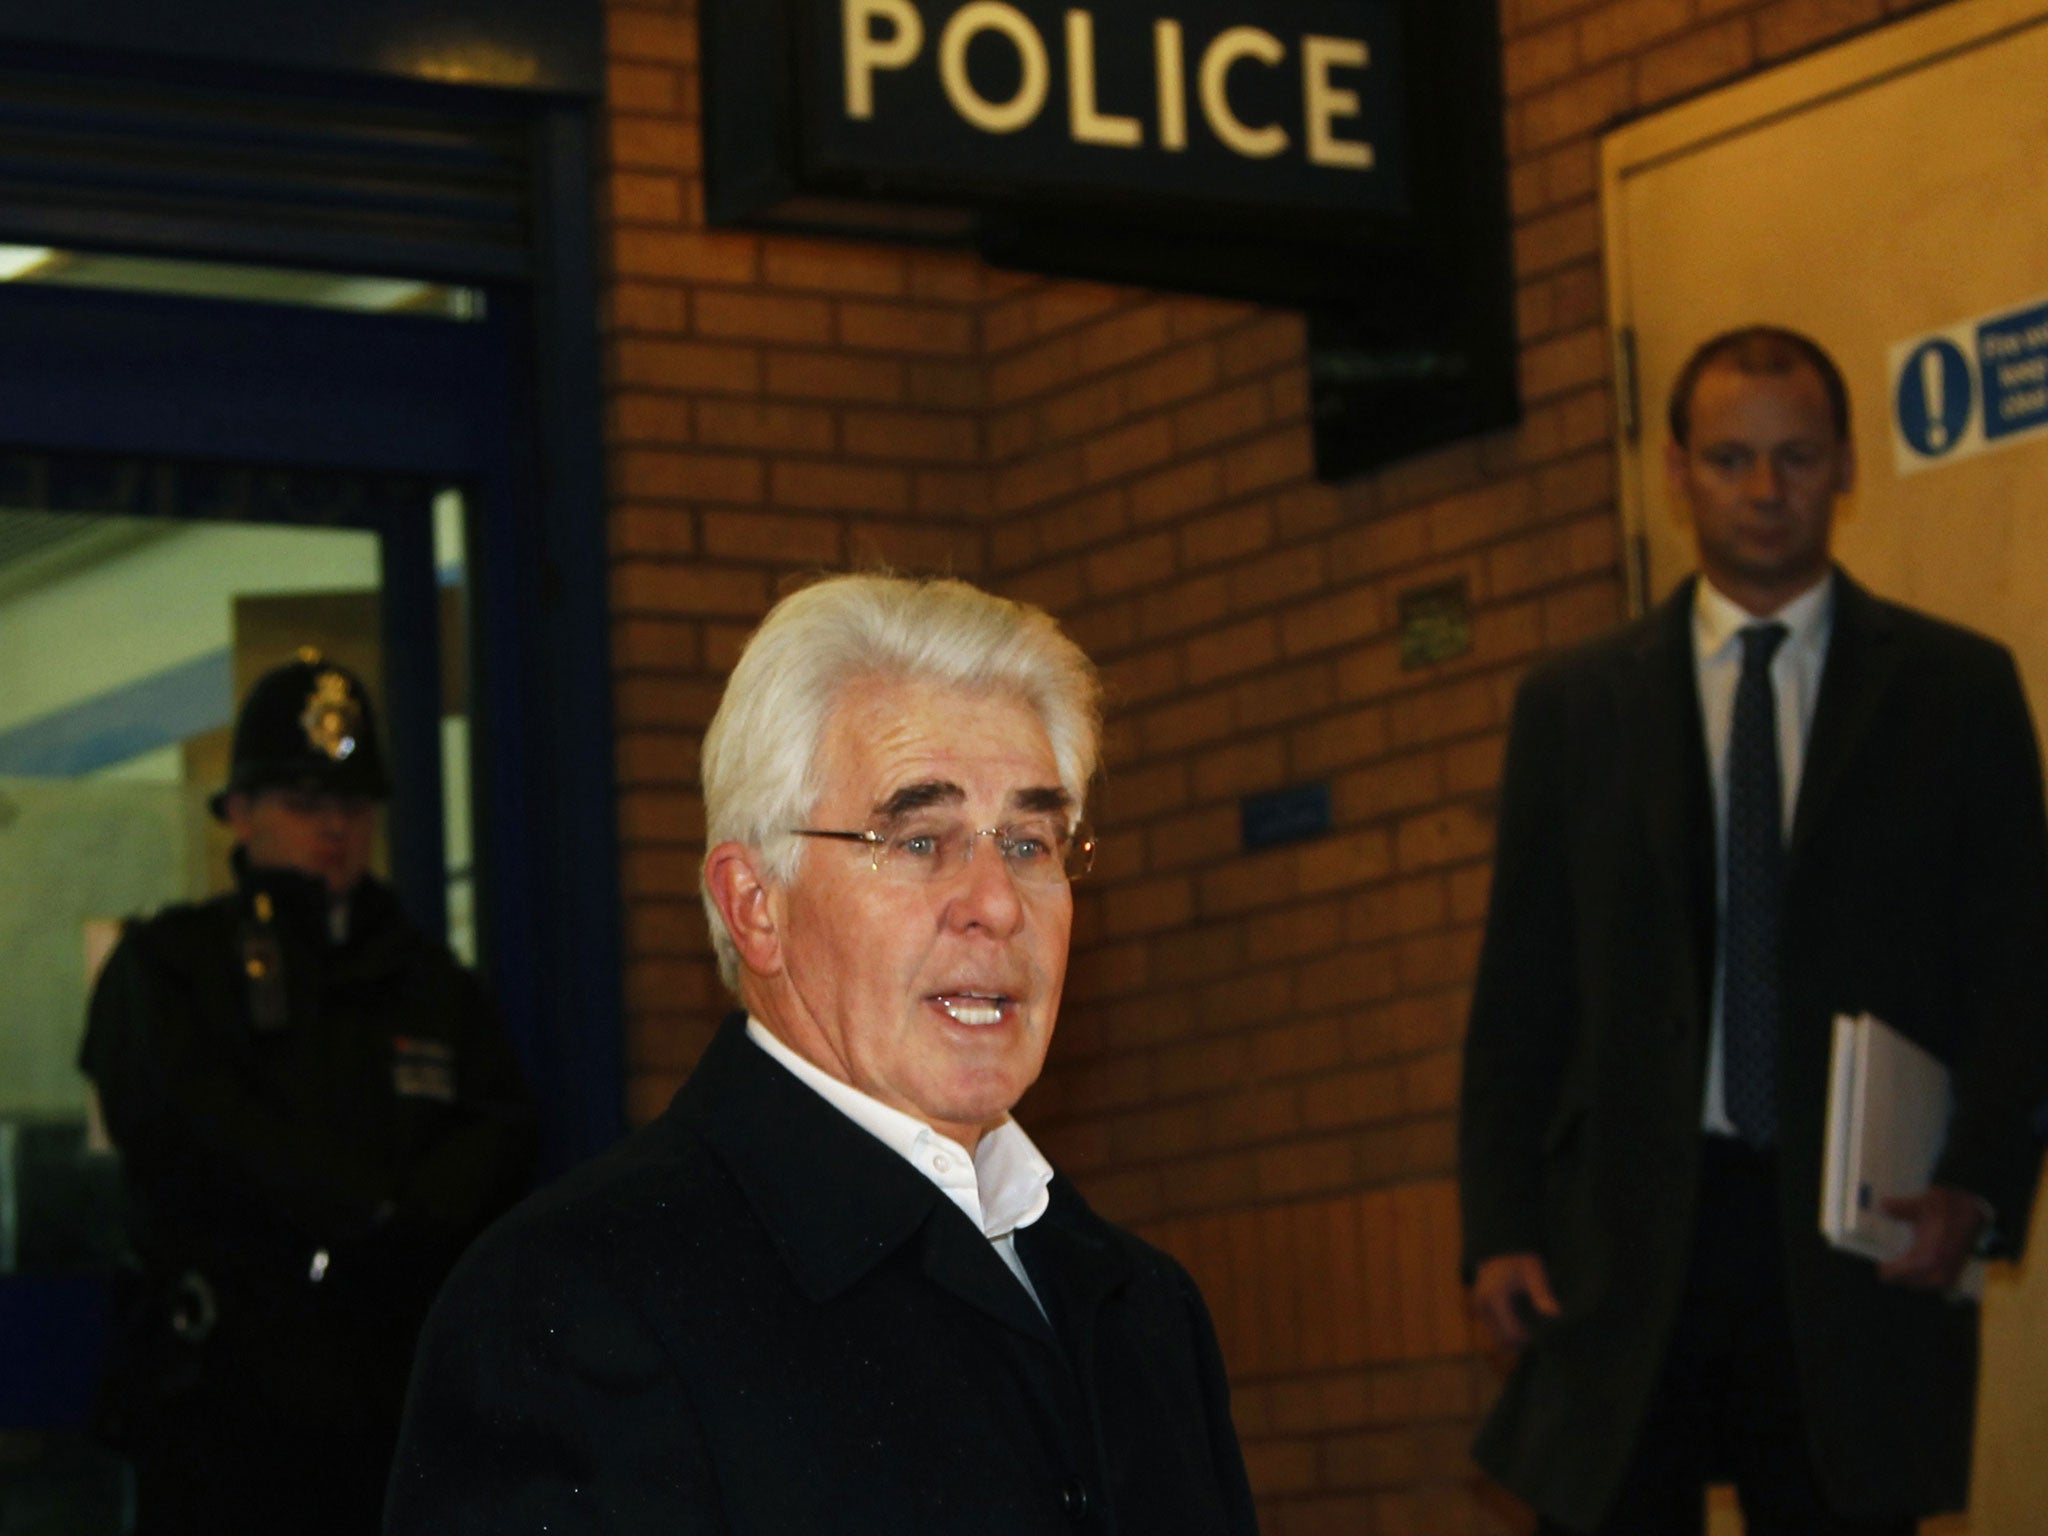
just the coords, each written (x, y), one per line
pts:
(315, 1112)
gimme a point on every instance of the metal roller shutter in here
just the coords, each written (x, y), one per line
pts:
(409, 185)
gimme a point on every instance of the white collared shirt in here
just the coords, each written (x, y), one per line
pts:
(1001, 1185)
(1717, 625)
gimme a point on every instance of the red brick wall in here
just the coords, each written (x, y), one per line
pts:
(1257, 1063)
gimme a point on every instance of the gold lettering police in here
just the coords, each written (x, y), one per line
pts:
(890, 35)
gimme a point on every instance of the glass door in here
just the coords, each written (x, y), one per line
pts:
(202, 471)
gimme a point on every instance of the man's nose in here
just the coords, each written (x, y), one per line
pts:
(1766, 481)
(986, 895)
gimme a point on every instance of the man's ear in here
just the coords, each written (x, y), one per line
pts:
(745, 900)
(236, 809)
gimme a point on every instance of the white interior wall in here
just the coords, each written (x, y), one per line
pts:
(167, 602)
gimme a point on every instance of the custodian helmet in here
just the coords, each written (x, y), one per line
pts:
(306, 725)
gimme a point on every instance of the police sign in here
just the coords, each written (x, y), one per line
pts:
(1042, 98)
(1341, 156)
(1297, 107)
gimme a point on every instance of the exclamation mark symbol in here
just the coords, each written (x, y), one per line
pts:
(1931, 375)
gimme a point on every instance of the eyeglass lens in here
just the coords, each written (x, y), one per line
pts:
(1037, 851)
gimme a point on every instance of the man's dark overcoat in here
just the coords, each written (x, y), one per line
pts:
(755, 1317)
(1917, 889)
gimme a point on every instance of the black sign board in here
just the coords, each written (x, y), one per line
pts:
(1340, 156)
(1040, 102)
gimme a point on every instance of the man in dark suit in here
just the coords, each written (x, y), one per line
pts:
(835, 1287)
(1774, 799)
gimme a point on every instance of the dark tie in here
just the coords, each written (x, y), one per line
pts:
(1755, 863)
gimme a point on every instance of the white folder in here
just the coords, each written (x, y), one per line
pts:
(1888, 1111)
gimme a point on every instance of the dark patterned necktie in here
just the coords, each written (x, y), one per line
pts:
(1755, 865)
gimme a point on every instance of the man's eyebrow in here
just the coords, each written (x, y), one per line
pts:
(1049, 798)
(916, 797)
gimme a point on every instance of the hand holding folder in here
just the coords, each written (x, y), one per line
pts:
(1945, 1223)
(1888, 1111)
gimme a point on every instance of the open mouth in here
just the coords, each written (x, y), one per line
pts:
(974, 1008)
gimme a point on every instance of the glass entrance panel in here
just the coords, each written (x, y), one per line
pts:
(124, 645)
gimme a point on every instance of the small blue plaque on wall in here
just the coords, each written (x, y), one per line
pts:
(1285, 816)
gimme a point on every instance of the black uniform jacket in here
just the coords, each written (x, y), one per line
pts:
(755, 1317)
(1917, 889)
(317, 1142)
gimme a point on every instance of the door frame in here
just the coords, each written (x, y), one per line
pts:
(546, 830)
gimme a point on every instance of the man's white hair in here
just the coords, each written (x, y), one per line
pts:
(760, 759)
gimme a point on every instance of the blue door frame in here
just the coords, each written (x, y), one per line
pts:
(183, 379)
(334, 142)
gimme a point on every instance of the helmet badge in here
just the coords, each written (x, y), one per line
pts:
(333, 717)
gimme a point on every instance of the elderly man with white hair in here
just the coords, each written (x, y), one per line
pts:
(835, 1287)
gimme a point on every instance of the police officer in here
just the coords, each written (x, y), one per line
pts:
(315, 1112)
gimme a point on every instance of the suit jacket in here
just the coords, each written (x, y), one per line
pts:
(1916, 888)
(755, 1317)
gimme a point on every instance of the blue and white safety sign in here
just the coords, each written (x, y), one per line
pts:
(1976, 385)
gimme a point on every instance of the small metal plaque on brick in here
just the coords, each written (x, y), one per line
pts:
(1436, 624)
